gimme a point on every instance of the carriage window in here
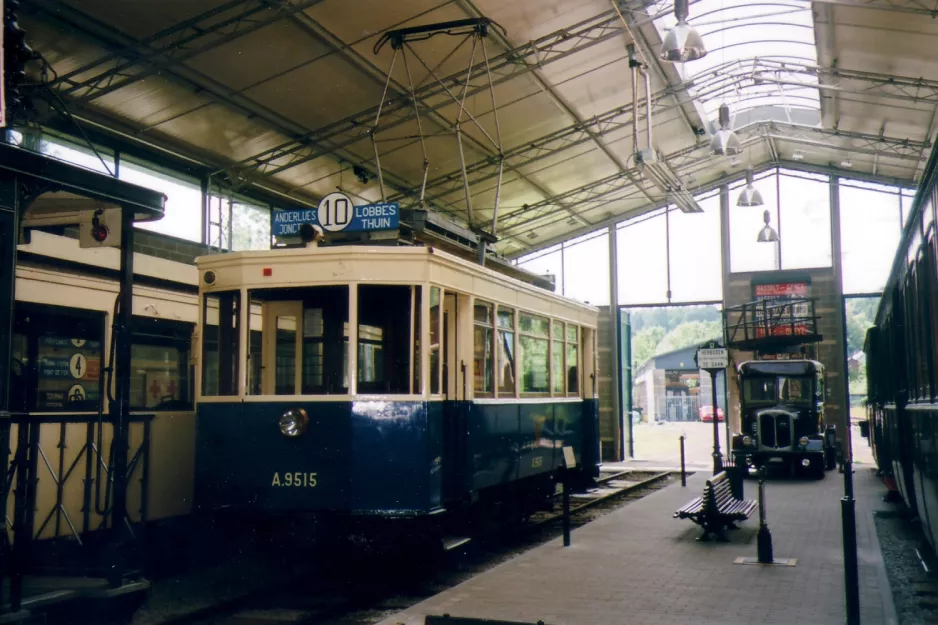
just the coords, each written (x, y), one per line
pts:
(220, 340)
(506, 351)
(573, 375)
(557, 369)
(435, 335)
(385, 341)
(302, 343)
(159, 365)
(534, 349)
(482, 361)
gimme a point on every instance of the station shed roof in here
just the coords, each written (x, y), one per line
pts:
(282, 95)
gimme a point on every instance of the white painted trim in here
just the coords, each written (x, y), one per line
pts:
(506, 401)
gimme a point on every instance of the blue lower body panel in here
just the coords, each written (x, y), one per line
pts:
(384, 458)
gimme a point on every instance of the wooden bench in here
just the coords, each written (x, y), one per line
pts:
(717, 510)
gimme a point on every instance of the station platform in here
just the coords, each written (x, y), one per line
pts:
(639, 566)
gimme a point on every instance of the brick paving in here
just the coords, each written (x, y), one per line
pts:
(638, 566)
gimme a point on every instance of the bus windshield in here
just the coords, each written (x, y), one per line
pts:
(778, 389)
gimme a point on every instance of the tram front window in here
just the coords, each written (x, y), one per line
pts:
(303, 341)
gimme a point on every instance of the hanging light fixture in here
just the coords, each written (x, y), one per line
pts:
(682, 43)
(750, 195)
(724, 141)
(767, 234)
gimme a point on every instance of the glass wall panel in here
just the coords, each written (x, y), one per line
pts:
(746, 252)
(643, 261)
(696, 265)
(183, 210)
(78, 155)
(869, 233)
(545, 262)
(250, 228)
(805, 221)
(586, 269)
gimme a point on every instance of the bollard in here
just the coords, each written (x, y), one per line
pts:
(683, 469)
(566, 508)
(764, 539)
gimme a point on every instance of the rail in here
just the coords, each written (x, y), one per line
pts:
(41, 451)
(763, 324)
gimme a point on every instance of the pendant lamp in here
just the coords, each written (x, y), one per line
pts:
(682, 43)
(724, 141)
(767, 234)
(750, 195)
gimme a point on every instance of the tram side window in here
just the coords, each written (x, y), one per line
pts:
(220, 342)
(159, 364)
(506, 351)
(385, 338)
(436, 335)
(573, 373)
(558, 350)
(482, 359)
(535, 338)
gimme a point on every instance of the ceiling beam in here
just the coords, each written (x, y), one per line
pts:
(514, 62)
(171, 46)
(917, 7)
(519, 222)
(315, 30)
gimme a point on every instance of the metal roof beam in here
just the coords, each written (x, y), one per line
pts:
(514, 62)
(918, 7)
(171, 46)
(315, 30)
(613, 187)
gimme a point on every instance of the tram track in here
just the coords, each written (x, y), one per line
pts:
(368, 589)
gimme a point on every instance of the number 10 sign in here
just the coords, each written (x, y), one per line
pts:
(336, 213)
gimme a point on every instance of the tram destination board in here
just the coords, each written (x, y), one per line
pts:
(336, 213)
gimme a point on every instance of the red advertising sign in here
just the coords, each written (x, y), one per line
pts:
(783, 320)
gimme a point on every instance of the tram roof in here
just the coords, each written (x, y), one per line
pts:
(293, 267)
(279, 96)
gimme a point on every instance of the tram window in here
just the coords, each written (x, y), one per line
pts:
(435, 336)
(302, 345)
(482, 360)
(57, 356)
(795, 389)
(760, 389)
(159, 365)
(506, 351)
(384, 338)
(573, 377)
(535, 336)
(220, 342)
(558, 350)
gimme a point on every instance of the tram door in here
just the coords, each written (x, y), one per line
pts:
(450, 345)
(281, 350)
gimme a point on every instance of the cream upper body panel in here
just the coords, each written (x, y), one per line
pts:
(384, 265)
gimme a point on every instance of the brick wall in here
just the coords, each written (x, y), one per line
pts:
(158, 245)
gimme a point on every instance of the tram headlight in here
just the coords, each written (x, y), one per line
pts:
(803, 441)
(293, 422)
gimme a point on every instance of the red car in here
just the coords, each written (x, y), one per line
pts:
(706, 414)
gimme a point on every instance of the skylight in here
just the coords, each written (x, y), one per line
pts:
(752, 47)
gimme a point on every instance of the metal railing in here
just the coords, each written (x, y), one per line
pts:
(60, 542)
(792, 321)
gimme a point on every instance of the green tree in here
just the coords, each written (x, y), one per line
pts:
(644, 343)
(689, 333)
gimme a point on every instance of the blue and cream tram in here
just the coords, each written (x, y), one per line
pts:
(385, 381)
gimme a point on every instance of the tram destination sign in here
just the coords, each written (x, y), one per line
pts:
(336, 213)
(713, 358)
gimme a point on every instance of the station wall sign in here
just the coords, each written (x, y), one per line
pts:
(336, 213)
(780, 293)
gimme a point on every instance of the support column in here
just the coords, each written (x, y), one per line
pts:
(616, 359)
(9, 228)
(732, 419)
(120, 408)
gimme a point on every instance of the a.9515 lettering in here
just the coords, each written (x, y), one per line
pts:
(299, 479)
